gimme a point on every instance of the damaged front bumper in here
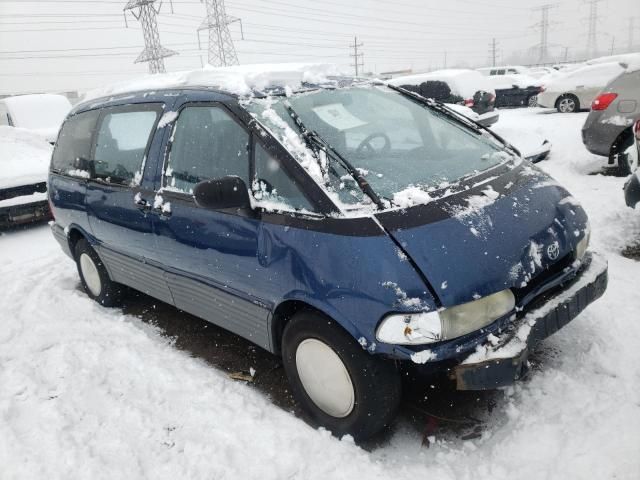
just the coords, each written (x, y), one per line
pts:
(502, 359)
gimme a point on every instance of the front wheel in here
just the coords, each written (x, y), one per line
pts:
(342, 387)
(568, 104)
(628, 157)
(94, 277)
(532, 101)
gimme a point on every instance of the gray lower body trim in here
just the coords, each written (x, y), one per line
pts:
(135, 274)
(240, 316)
(226, 310)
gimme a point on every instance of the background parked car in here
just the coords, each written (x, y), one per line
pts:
(455, 86)
(41, 113)
(513, 85)
(575, 90)
(632, 187)
(608, 128)
(24, 160)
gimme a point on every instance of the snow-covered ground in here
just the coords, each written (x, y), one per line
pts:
(88, 392)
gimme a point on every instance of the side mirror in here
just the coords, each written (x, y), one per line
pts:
(219, 193)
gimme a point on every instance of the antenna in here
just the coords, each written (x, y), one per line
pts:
(153, 52)
(222, 52)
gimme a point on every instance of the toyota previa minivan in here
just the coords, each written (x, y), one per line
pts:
(357, 230)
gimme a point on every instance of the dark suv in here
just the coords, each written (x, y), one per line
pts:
(357, 230)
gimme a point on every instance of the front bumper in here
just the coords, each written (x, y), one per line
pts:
(14, 215)
(503, 360)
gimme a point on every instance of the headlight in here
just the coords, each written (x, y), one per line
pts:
(448, 323)
(581, 247)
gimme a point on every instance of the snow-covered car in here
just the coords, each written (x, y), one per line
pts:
(41, 113)
(24, 161)
(607, 131)
(356, 229)
(577, 89)
(455, 86)
(532, 146)
(632, 186)
(514, 87)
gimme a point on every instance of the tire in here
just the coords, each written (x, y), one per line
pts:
(627, 156)
(532, 101)
(568, 104)
(343, 388)
(94, 277)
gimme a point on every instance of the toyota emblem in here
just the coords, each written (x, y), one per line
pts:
(553, 251)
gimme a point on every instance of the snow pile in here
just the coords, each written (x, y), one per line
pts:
(24, 157)
(512, 80)
(462, 82)
(239, 80)
(411, 196)
(42, 113)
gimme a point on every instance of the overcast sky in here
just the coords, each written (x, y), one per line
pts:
(54, 45)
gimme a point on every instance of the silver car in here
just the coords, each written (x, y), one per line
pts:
(608, 128)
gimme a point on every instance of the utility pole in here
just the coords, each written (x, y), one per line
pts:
(613, 44)
(445, 59)
(631, 30)
(543, 25)
(566, 54)
(358, 57)
(493, 51)
(153, 53)
(222, 52)
(592, 35)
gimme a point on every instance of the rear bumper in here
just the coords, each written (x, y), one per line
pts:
(61, 238)
(502, 361)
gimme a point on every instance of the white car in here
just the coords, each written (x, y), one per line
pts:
(576, 89)
(40, 113)
(24, 164)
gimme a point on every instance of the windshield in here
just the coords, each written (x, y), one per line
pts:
(398, 144)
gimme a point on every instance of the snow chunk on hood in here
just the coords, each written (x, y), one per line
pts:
(411, 196)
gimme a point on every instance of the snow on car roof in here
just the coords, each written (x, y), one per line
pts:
(463, 82)
(38, 111)
(237, 80)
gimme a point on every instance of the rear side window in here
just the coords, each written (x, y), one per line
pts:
(121, 143)
(74, 142)
(207, 143)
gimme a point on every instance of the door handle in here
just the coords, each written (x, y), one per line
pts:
(141, 203)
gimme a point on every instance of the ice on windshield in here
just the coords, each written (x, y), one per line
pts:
(396, 143)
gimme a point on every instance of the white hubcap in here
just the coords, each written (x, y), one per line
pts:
(90, 274)
(325, 378)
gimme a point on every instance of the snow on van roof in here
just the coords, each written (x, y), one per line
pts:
(463, 82)
(238, 80)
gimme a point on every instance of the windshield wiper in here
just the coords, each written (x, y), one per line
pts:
(316, 143)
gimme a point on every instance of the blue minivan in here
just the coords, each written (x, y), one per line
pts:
(355, 229)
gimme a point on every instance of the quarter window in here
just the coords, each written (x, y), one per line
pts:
(121, 144)
(207, 143)
(74, 142)
(272, 187)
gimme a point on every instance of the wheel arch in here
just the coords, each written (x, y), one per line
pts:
(286, 309)
(74, 234)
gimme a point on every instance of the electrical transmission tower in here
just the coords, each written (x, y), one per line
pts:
(221, 49)
(493, 51)
(358, 57)
(153, 52)
(592, 35)
(543, 25)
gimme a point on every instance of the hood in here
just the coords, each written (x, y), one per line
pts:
(24, 157)
(501, 232)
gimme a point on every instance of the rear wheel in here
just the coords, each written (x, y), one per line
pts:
(568, 104)
(94, 277)
(532, 101)
(341, 386)
(628, 157)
